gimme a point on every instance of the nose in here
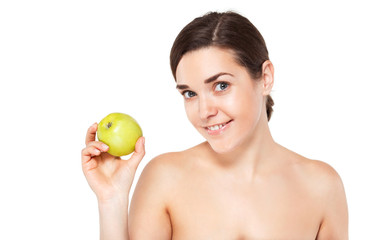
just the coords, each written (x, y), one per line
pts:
(207, 107)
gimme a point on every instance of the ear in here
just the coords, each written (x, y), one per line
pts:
(267, 77)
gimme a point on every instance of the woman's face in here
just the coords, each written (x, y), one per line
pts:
(221, 100)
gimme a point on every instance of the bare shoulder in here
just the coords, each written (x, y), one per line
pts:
(161, 164)
(166, 169)
(154, 178)
(321, 175)
(174, 161)
(167, 163)
(318, 177)
(149, 214)
(159, 171)
(327, 185)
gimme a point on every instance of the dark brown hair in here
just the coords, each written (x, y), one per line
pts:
(227, 30)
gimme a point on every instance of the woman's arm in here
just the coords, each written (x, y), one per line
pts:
(335, 221)
(111, 179)
(114, 219)
(148, 216)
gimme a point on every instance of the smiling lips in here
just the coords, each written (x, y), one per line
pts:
(218, 128)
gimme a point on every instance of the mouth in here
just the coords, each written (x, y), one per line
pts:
(217, 128)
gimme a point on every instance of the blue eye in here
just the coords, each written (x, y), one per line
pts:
(221, 86)
(188, 94)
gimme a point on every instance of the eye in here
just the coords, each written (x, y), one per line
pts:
(221, 86)
(188, 94)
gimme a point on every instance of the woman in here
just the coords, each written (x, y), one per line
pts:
(239, 184)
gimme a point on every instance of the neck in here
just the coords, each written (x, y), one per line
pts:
(251, 156)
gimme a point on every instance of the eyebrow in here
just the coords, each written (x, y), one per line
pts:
(207, 81)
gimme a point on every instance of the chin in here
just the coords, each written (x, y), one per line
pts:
(221, 148)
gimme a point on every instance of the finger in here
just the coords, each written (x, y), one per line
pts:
(139, 153)
(99, 145)
(91, 134)
(88, 160)
(88, 153)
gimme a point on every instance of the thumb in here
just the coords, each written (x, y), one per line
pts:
(139, 153)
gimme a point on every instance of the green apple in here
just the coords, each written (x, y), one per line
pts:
(120, 132)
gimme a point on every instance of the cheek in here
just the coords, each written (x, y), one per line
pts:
(191, 112)
(247, 105)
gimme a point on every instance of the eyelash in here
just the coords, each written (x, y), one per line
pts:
(186, 91)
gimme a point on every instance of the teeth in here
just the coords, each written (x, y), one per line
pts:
(216, 127)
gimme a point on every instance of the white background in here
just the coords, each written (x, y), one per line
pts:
(66, 64)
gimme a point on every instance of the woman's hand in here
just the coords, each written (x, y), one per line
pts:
(109, 177)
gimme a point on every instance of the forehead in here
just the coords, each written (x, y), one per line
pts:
(206, 62)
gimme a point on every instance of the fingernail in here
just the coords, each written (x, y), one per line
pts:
(143, 141)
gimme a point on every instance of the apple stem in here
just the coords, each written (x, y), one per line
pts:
(109, 124)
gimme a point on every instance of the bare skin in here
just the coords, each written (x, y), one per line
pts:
(200, 200)
(239, 184)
